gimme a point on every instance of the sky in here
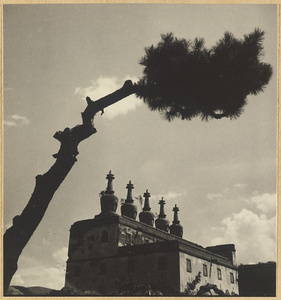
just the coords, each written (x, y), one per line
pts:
(220, 173)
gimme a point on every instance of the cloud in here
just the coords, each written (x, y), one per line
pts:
(168, 196)
(60, 255)
(229, 192)
(17, 280)
(266, 203)
(240, 185)
(46, 242)
(33, 272)
(214, 197)
(253, 235)
(172, 195)
(8, 225)
(16, 120)
(40, 275)
(106, 85)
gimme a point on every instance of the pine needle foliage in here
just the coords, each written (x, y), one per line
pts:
(184, 79)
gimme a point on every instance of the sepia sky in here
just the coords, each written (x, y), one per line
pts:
(221, 173)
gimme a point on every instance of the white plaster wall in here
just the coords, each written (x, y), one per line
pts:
(212, 278)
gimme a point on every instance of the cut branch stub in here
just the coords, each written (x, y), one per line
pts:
(17, 236)
(95, 106)
(70, 138)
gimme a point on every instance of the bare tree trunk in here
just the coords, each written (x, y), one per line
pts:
(17, 236)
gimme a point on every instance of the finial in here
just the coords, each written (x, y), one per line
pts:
(109, 177)
(161, 222)
(108, 200)
(146, 201)
(162, 203)
(176, 218)
(146, 216)
(128, 209)
(176, 228)
(129, 186)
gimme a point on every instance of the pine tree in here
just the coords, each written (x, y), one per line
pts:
(185, 79)
(180, 79)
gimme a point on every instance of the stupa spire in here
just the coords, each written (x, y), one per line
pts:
(109, 177)
(162, 211)
(108, 200)
(146, 206)
(161, 222)
(176, 217)
(130, 187)
(146, 216)
(128, 209)
(176, 228)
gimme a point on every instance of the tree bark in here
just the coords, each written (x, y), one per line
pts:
(24, 225)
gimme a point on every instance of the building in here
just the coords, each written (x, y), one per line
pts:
(111, 252)
(257, 279)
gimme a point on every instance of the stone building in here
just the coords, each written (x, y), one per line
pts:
(257, 280)
(110, 252)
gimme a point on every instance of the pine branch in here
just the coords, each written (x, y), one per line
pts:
(24, 225)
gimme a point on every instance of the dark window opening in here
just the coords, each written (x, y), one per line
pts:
(219, 274)
(128, 239)
(103, 269)
(162, 263)
(205, 270)
(131, 266)
(231, 277)
(188, 265)
(104, 237)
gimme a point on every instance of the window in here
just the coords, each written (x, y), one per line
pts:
(231, 277)
(205, 270)
(102, 269)
(128, 239)
(219, 274)
(162, 263)
(131, 266)
(188, 265)
(104, 237)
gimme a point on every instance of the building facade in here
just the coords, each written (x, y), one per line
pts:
(111, 252)
(257, 280)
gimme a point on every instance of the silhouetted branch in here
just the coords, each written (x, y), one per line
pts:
(24, 225)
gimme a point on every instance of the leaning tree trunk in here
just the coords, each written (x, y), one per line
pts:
(17, 236)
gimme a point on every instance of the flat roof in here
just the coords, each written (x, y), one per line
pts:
(169, 241)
